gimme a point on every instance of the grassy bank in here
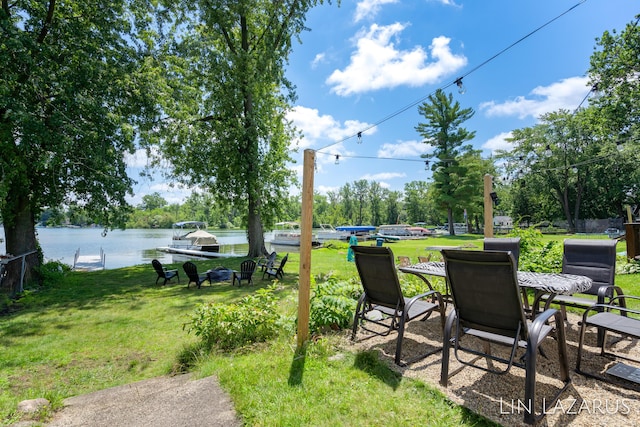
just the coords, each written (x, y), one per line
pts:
(89, 331)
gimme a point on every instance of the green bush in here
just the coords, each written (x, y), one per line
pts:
(51, 272)
(253, 319)
(332, 305)
(536, 255)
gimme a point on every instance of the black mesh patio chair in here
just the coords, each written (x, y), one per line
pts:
(276, 272)
(511, 244)
(163, 273)
(613, 317)
(192, 273)
(383, 294)
(246, 272)
(595, 259)
(487, 305)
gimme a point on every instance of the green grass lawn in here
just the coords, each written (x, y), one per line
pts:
(90, 331)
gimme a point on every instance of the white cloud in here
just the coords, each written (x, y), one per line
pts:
(318, 59)
(377, 63)
(383, 175)
(369, 8)
(565, 94)
(323, 129)
(498, 142)
(404, 149)
(446, 2)
(138, 159)
(325, 189)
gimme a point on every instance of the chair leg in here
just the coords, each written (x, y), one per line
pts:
(446, 345)
(399, 340)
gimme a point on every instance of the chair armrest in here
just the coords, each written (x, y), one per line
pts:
(437, 294)
(622, 309)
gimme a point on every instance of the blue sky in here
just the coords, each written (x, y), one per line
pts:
(363, 65)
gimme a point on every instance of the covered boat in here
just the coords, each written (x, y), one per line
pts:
(191, 238)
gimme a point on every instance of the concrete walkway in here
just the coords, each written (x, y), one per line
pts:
(160, 402)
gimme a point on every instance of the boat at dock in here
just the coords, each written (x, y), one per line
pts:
(362, 232)
(328, 232)
(191, 238)
(288, 234)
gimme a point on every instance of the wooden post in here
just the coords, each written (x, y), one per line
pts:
(306, 235)
(488, 206)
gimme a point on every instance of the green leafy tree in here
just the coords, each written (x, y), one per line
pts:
(416, 201)
(393, 207)
(227, 101)
(152, 201)
(376, 202)
(443, 130)
(73, 87)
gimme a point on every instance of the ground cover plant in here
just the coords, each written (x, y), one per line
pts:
(80, 332)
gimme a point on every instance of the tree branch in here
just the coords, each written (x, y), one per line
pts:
(47, 21)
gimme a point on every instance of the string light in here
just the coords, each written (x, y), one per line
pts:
(359, 137)
(337, 159)
(461, 89)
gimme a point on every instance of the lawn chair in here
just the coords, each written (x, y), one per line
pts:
(192, 273)
(487, 305)
(246, 272)
(274, 272)
(163, 273)
(625, 322)
(383, 294)
(595, 259)
(511, 244)
(404, 261)
(267, 262)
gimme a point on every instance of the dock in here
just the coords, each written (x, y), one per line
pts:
(88, 262)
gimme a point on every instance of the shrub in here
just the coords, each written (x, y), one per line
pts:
(332, 305)
(536, 255)
(253, 319)
(52, 272)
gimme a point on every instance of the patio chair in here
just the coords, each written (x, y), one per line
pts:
(426, 258)
(268, 261)
(625, 322)
(511, 244)
(383, 297)
(192, 273)
(246, 272)
(504, 244)
(404, 261)
(163, 273)
(595, 259)
(274, 272)
(487, 305)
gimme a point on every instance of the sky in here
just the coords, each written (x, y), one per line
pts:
(365, 66)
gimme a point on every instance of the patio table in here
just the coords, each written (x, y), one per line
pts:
(543, 283)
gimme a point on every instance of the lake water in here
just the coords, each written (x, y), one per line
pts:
(124, 248)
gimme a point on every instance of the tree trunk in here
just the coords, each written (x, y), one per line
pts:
(20, 236)
(255, 232)
(452, 229)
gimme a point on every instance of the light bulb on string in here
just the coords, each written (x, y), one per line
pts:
(359, 137)
(461, 89)
(337, 159)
